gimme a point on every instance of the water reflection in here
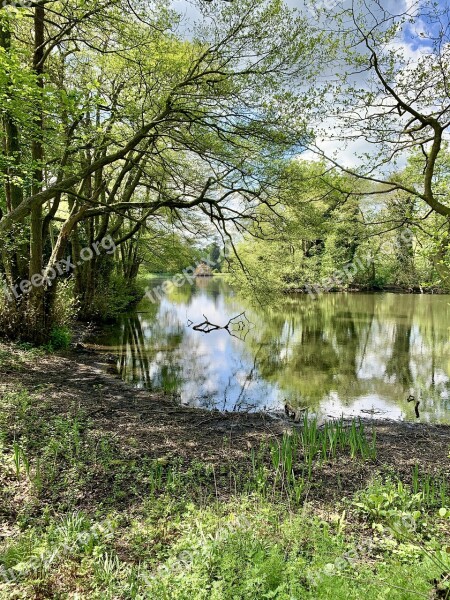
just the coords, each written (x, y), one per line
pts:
(343, 353)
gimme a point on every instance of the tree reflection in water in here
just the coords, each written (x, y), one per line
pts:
(345, 353)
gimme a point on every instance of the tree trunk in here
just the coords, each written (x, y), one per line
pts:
(15, 264)
(37, 293)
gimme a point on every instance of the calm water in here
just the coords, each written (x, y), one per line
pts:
(351, 354)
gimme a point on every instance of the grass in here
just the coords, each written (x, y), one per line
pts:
(15, 357)
(434, 491)
(245, 548)
(85, 518)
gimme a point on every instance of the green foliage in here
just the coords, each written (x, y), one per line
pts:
(144, 90)
(312, 444)
(314, 233)
(162, 530)
(246, 548)
(114, 296)
(390, 503)
(434, 489)
(401, 510)
(168, 253)
(66, 305)
(327, 233)
(60, 339)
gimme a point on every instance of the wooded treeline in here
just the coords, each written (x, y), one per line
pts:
(326, 237)
(373, 209)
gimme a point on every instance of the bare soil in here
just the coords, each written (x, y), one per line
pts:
(153, 425)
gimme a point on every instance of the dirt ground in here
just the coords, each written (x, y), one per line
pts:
(152, 425)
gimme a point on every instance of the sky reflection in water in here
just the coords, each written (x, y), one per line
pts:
(351, 354)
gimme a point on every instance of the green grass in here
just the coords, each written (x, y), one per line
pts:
(245, 548)
(294, 457)
(16, 356)
(89, 519)
(435, 491)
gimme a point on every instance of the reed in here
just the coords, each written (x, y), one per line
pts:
(294, 456)
(433, 489)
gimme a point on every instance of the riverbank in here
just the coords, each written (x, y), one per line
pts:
(78, 441)
(87, 381)
(316, 290)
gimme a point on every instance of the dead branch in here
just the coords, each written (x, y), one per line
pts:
(237, 326)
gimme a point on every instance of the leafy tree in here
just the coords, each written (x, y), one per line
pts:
(311, 233)
(394, 101)
(119, 121)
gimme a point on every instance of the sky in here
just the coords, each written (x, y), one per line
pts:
(411, 43)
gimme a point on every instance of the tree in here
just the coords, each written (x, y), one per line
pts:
(394, 102)
(312, 232)
(129, 121)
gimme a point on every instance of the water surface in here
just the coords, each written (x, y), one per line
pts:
(350, 354)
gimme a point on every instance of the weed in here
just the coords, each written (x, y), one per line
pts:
(60, 339)
(178, 535)
(392, 504)
(16, 458)
(434, 489)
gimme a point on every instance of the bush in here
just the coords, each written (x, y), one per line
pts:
(113, 298)
(66, 306)
(18, 321)
(60, 338)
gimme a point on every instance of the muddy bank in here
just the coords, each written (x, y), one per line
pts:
(154, 425)
(355, 289)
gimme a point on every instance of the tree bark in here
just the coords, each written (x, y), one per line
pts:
(37, 293)
(15, 262)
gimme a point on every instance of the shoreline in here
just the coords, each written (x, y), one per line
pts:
(351, 289)
(79, 346)
(94, 451)
(391, 289)
(81, 380)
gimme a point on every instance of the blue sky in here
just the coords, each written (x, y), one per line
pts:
(411, 37)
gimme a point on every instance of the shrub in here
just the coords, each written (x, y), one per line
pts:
(66, 306)
(113, 298)
(60, 338)
(391, 504)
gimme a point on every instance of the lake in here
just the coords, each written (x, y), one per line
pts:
(339, 354)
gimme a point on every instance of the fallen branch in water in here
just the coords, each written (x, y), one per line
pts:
(237, 326)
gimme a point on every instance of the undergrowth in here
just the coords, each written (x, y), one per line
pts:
(86, 519)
